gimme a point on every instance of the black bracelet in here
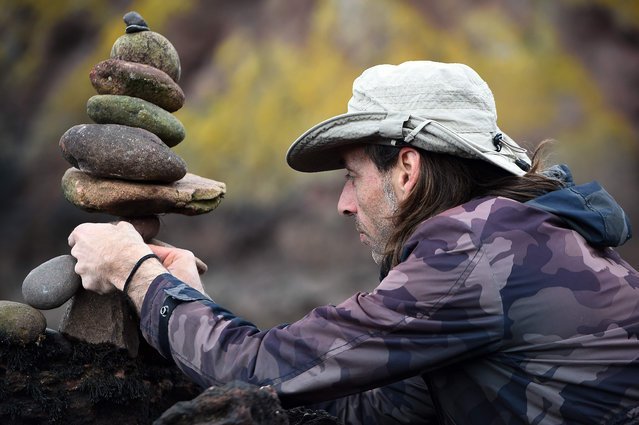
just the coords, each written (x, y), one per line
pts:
(135, 269)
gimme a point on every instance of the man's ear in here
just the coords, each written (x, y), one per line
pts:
(406, 171)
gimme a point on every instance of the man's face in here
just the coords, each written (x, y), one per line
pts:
(369, 197)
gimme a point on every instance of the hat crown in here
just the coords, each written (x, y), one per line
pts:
(450, 93)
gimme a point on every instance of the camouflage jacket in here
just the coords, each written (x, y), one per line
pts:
(500, 313)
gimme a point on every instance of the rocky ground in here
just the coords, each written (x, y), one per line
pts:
(54, 380)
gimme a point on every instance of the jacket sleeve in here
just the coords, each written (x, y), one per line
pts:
(437, 307)
(402, 402)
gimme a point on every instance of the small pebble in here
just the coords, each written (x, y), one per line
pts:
(52, 283)
(21, 322)
(134, 22)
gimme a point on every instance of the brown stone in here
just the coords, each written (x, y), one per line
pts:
(148, 227)
(192, 195)
(120, 151)
(114, 76)
(96, 319)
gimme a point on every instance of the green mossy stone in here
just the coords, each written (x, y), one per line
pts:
(21, 322)
(134, 112)
(149, 48)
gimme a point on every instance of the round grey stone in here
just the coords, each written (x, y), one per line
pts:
(149, 48)
(121, 152)
(20, 322)
(52, 283)
(134, 112)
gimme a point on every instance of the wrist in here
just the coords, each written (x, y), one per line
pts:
(142, 279)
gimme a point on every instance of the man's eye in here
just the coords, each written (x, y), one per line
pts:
(349, 176)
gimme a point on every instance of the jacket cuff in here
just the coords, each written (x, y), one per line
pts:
(164, 294)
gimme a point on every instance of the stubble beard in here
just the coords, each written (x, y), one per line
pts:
(386, 224)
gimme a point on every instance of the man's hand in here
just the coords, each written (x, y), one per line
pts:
(180, 263)
(106, 253)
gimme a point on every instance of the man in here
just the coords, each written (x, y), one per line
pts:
(500, 299)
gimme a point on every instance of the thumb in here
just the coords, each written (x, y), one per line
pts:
(161, 251)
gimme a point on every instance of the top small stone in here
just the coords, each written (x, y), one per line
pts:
(135, 23)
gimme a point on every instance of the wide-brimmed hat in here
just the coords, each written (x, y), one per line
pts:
(438, 107)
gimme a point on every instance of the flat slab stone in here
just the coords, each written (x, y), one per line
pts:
(149, 48)
(134, 112)
(52, 283)
(20, 322)
(114, 76)
(121, 152)
(192, 195)
(96, 319)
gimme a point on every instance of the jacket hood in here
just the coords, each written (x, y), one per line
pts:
(588, 209)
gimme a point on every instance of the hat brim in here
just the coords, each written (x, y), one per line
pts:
(321, 147)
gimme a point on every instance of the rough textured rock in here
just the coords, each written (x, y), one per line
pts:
(52, 283)
(233, 404)
(134, 112)
(192, 195)
(114, 76)
(149, 48)
(96, 319)
(20, 322)
(119, 151)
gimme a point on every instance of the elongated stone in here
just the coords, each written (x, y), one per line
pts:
(121, 152)
(191, 195)
(52, 283)
(20, 322)
(135, 112)
(114, 76)
(149, 48)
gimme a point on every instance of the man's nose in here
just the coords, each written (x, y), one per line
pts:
(346, 204)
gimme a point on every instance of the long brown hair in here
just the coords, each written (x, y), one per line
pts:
(447, 181)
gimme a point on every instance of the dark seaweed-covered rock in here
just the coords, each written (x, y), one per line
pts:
(114, 76)
(233, 404)
(58, 381)
(121, 152)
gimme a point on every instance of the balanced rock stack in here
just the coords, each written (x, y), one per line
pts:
(123, 165)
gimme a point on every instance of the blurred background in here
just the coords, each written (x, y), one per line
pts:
(256, 75)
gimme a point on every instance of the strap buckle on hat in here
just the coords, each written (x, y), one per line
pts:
(392, 126)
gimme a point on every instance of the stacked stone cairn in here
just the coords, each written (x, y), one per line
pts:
(123, 166)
